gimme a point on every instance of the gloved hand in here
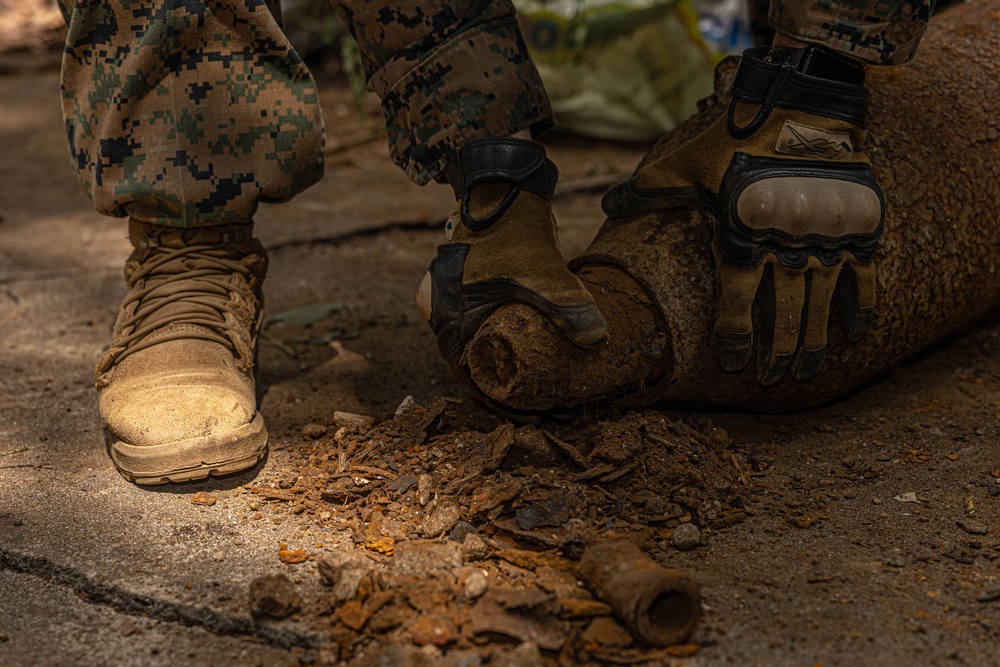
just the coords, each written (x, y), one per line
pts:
(503, 248)
(798, 211)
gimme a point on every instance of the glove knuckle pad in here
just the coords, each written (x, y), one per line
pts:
(796, 209)
(801, 205)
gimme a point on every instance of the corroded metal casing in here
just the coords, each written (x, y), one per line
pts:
(934, 144)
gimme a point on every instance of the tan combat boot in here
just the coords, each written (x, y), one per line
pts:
(176, 387)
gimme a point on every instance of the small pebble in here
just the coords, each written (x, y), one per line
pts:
(288, 479)
(433, 629)
(274, 596)
(203, 498)
(441, 520)
(314, 431)
(527, 654)
(685, 537)
(474, 548)
(344, 570)
(475, 585)
(405, 406)
(989, 595)
(353, 421)
(973, 527)
(460, 531)
(128, 628)
(425, 484)
(424, 558)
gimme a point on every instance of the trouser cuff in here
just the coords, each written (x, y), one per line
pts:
(479, 84)
(880, 33)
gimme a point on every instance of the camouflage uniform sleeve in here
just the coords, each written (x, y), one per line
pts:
(187, 113)
(881, 32)
(447, 72)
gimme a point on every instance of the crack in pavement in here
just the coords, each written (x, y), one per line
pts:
(43, 276)
(173, 612)
(364, 232)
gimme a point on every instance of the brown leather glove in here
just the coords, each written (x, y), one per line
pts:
(799, 212)
(504, 248)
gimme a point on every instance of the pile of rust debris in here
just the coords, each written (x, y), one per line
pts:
(476, 541)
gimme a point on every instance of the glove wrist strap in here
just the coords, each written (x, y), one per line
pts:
(812, 80)
(819, 62)
(522, 164)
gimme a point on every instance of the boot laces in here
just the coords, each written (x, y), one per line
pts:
(189, 286)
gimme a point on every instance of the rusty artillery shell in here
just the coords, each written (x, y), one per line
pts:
(934, 144)
(659, 606)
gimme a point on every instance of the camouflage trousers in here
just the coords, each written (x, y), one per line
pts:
(881, 32)
(192, 112)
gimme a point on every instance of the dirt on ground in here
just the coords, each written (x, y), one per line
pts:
(863, 532)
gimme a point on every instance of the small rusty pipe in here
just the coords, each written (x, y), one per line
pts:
(659, 606)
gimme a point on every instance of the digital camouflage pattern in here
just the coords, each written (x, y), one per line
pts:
(191, 112)
(447, 72)
(881, 32)
(187, 112)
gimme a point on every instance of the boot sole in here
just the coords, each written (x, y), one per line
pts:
(190, 460)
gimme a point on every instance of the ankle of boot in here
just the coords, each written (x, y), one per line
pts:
(819, 62)
(145, 235)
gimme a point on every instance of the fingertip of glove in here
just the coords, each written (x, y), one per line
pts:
(733, 350)
(588, 329)
(774, 369)
(858, 324)
(808, 364)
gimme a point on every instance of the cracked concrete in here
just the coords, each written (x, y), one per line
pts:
(82, 551)
(48, 624)
(70, 527)
(828, 568)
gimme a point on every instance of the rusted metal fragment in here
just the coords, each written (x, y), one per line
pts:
(659, 606)
(934, 143)
(520, 360)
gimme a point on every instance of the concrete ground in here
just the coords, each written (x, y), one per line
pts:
(85, 555)
(872, 538)
(82, 551)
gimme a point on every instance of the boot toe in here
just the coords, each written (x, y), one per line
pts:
(172, 413)
(183, 424)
